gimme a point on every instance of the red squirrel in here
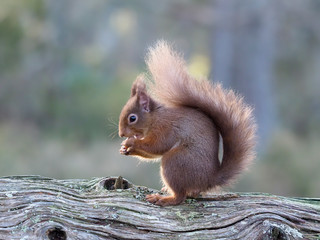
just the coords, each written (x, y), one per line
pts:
(179, 119)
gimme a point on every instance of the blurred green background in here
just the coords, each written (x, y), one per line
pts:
(66, 67)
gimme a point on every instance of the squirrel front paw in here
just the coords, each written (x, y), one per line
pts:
(124, 150)
(126, 146)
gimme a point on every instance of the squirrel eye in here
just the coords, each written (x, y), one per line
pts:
(132, 118)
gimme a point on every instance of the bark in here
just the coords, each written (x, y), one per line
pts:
(34, 207)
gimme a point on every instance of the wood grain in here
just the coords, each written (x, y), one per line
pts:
(34, 207)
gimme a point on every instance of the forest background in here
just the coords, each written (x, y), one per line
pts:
(66, 68)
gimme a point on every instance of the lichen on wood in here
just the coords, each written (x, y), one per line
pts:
(34, 207)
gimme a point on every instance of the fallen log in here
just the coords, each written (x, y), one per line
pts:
(34, 207)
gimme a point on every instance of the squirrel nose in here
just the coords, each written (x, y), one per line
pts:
(121, 134)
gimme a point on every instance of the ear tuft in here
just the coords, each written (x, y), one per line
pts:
(138, 85)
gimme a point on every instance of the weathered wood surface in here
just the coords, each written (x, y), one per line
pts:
(33, 207)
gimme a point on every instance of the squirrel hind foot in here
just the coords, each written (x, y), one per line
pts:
(165, 200)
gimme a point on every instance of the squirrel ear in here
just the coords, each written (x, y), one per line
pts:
(138, 85)
(139, 88)
(144, 101)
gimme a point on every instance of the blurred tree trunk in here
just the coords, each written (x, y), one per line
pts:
(242, 54)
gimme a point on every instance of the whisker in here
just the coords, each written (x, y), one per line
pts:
(112, 126)
(113, 134)
(111, 121)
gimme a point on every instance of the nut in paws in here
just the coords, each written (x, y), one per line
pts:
(124, 150)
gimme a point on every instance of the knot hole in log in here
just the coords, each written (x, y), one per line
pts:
(113, 183)
(56, 233)
(275, 233)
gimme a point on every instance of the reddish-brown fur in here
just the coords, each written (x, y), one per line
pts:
(181, 123)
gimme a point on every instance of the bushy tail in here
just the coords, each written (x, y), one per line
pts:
(174, 86)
